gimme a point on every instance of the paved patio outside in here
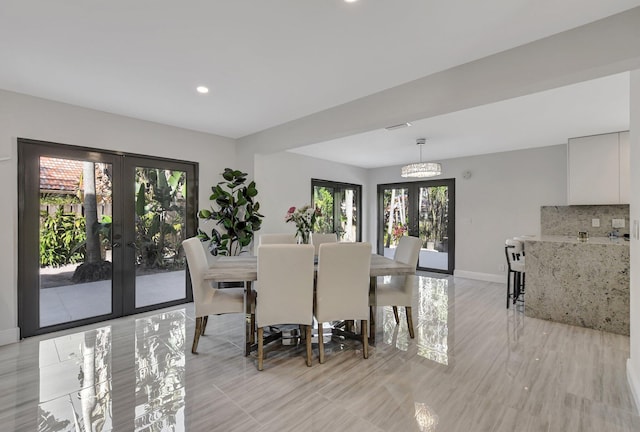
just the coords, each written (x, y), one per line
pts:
(73, 302)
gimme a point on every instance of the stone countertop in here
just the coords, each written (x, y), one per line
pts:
(574, 240)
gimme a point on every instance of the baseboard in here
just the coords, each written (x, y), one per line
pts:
(9, 336)
(487, 277)
(634, 385)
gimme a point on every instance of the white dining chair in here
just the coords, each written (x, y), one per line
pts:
(207, 299)
(285, 274)
(398, 290)
(318, 238)
(342, 287)
(280, 238)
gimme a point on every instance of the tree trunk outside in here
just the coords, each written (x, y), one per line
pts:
(93, 268)
(91, 213)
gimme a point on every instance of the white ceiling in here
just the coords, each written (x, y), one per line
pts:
(270, 62)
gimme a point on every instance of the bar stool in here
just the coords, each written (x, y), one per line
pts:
(514, 252)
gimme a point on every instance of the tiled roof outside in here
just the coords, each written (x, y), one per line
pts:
(60, 174)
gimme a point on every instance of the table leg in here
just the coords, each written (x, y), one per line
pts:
(248, 339)
(373, 310)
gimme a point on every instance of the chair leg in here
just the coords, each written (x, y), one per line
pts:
(307, 336)
(508, 287)
(348, 325)
(260, 347)
(407, 310)
(395, 314)
(320, 343)
(205, 320)
(196, 335)
(365, 339)
(516, 286)
(371, 312)
(252, 336)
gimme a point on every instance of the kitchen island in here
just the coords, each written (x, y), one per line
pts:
(582, 283)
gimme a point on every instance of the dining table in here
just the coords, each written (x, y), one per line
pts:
(244, 268)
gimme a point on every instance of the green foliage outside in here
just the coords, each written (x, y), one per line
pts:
(433, 216)
(434, 213)
(160, 207)
(59, 199)
(323, 199)
(62, 238)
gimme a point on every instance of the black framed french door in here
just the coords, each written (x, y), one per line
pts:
(424, 209)
(99, 234)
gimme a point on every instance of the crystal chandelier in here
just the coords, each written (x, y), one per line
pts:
(421, 169)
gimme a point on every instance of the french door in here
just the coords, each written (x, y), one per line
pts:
(424, 209)
(99, 234)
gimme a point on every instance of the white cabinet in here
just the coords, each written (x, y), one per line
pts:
(625, 168)
(598, 169)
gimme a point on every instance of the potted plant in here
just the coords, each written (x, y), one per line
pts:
(236, 214)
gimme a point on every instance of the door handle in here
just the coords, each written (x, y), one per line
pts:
(115, 245)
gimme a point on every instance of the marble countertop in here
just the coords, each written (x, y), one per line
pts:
(573, 239)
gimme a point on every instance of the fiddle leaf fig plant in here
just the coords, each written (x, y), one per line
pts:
(236, 214)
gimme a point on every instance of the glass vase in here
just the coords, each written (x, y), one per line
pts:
(304, 237)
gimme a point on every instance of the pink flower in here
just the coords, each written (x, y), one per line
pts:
(291, 210)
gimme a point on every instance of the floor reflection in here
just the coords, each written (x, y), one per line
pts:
(160, 372)
(432, 320)
(76, 377)
(425, 417)
(75, 382)
(432, 328)
(515, 331)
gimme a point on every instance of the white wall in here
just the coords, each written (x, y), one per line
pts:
(28, 117)
(284, 180)
(633, 365)
(501, 199)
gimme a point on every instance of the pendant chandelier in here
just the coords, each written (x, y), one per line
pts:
(422, 169)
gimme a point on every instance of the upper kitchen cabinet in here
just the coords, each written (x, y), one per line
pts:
(598, 169)
(625, 168)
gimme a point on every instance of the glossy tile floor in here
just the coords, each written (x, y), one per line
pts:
(473, 366)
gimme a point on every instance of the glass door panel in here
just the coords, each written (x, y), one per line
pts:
(76, 271)
(348, 216)
(323, 199)
(160, 212)
(395, 218)
(433, 227)
(339, 204)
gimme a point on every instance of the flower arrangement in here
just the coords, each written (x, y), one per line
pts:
(304, 218)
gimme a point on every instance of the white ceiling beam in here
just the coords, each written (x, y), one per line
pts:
(598, 49)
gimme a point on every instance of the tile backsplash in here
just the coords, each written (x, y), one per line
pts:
(568, 220)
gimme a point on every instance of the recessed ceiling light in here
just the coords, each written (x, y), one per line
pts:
(202, 89)
(398, 126)
(350, 1)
